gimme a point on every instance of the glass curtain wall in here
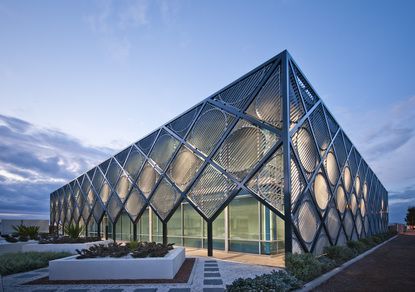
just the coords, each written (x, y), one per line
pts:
(124, 228)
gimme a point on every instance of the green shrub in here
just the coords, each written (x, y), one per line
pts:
(275, 281)
(357, 245)
(23, 238)
(339, 254)
(27, 231)
(10, 239)
(303, 266)
(74, 231)
(132, 245)
(12, 263)
(368, 241)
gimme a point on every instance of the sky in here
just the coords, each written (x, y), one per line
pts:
(80, 80)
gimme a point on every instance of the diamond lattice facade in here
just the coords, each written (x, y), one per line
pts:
(260, 166)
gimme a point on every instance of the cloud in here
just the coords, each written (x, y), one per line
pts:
(399, 201)
(35, 161)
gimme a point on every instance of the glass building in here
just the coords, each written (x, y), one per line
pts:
(260, 166)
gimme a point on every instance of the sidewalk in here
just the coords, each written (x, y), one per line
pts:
(389, 268)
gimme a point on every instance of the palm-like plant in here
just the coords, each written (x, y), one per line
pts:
(73, 231)
(27, 231)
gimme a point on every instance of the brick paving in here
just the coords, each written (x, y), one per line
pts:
(389, 268)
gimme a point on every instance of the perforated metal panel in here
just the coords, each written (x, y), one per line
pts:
(135, 203)
(147, 179)
(268, 182)
(211, 191)
(267, 105)
(209, 127)
(114, 207)
(182, 124)
(238, 94)
(146, 143)
(321, 132)
(165, 198)
(184, 167)
(243, 148)
(297, 110)
(134, 163)
(164, 149)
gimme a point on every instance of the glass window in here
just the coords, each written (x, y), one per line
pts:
(174, 227)
(244, 224)
(143, 226)
(157, 229)
(192, 227)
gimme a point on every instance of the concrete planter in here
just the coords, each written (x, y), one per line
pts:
(127, 267)
(62, 247)
(9, 247)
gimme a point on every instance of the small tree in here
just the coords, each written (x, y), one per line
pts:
(410, 217)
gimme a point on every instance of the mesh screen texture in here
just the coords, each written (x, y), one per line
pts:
(330, 164)
(164, 199)
(341, 199)
(105, 192)
(147, 180)
(135, 203)
(307, 221)
(243, 148)
(210, 191)
(113, 173)
(268, 182)
(146, 143)
(333, 126)
(134, 163)
(114, 207)
(267, 105)
(321, 191)
(97, 211)
(298, 182)
(163, 149)
(123, 187)
(122, 156)
(332, 223)
(182, 124)
(297, 110)
(237, 94)
(340, 149)
(309, 96)
(321, 132)
(305, 147)
(184, 167)
(209, 128)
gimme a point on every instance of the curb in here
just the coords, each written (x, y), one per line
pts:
(323, 278)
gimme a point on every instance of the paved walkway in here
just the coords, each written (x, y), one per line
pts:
(389, 268)
(208, 275)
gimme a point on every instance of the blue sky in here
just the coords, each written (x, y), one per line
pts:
(80, 80)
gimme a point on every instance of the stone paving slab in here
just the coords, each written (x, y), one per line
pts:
(226, 272)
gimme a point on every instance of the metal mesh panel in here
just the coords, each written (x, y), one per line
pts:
(321, 132)
(307, 221)
(309, 96)
(305, 147)
(90, 173)
(321, 243)
(340, 150)
(347, 178)
(347, 143)
(268, 182)
(146, 143)
(353, 203)
(352, 163)
(113, 173)
(134, 163)
(105, 192)
(122, 155)
(359, 225)
(342, 240)
(298, 183)
(90, 197)
(76, 214)
(297, 110)
(237, 94)
(357, 185)
(267, 105)
(333, 126)
(321, 191)
(148, 178)
(366, 225)
(86, 212)
(104, 165)
(341, 201)
(135, 203)
(97, 211)
(163, 149)
(330, 165)
(243, 148)
(123, 187)
(97, 180)
(165, 198)
(86, 184)
(211, 191)
(296, 247)
(348, 224)
(184, 167)
(208, 128)
(362, 207)
(182, 124)
(332, 223)
(114, 207)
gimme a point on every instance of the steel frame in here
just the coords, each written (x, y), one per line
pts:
(374, 220)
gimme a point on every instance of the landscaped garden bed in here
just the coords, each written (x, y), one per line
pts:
(134, 261)
(302, 268)
(12, 263)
